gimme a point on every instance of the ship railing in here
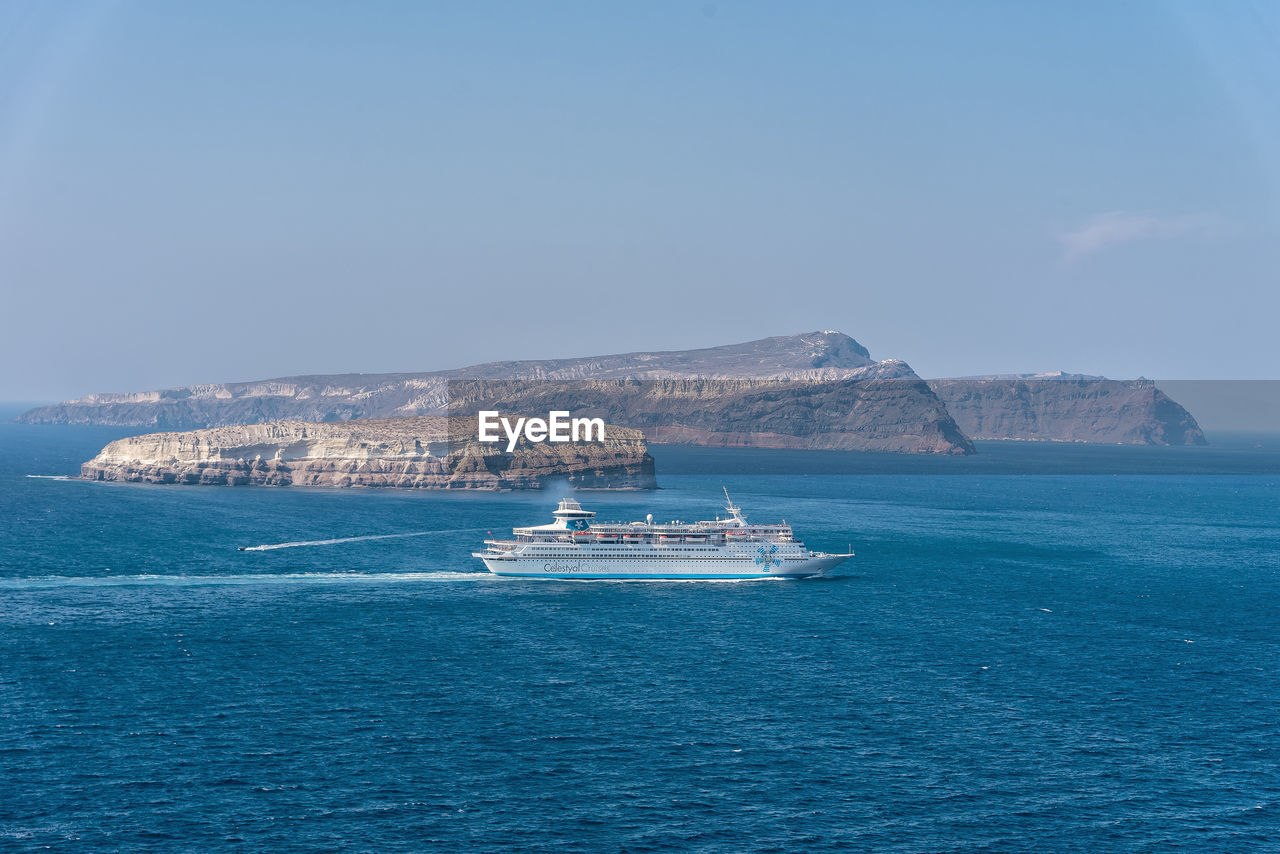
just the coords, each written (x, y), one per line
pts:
(500, 546)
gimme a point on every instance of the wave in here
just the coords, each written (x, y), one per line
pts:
(572, 580)
(48, 582)
(266, 547)
(52, 582)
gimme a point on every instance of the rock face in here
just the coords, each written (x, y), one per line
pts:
(343, 397)
(883, 407)
(430, 452)
(1062, 407)
(819, 390)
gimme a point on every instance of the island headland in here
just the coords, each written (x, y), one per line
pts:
(424, 452)
(819, 390)
(1061, 407)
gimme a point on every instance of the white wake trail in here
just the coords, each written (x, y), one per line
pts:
(56, 581)
(266, 547)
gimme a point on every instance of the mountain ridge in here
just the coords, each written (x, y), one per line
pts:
(342, 397)
(933, 416)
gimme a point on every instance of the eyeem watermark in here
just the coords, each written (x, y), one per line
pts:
(556, 427)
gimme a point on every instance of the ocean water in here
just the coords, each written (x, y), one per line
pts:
(1012, 662)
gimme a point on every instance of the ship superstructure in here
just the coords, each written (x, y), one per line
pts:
(575, 545)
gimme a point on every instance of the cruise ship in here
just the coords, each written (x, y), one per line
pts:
(574, 545)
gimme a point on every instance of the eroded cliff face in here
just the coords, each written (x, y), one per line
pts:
(429, 452)
(882, 407)
(814, 356)
(817, 390)
(1067, 408)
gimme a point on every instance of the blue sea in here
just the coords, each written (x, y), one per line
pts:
(1048, 648)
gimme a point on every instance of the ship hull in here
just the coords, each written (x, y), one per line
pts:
(660, 570)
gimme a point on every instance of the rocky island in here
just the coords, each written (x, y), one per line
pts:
(882, 407)
(1061, 407)
(345, 397)
(819, 390)
(427, 452)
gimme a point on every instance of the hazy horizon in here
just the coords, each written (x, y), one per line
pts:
(216, 194)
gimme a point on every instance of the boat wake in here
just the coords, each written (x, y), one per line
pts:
(49, 582)
(266, 547)
(655, 580)
(52, 477)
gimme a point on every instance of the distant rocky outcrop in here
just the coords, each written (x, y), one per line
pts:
(344, 397)
(882, 407)
(1060, 407)
(427, 452)
(819, 390)
(816, 390)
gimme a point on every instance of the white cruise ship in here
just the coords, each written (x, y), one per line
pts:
(577, 546)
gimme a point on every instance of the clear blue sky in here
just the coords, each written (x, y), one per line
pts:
(237, 190)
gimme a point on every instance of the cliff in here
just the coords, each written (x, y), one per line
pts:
(1060, 407)
(817, 390)
(882, 407)
(429, 452)
(343, 397)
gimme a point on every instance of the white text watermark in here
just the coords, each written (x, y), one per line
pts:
(558, 426)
